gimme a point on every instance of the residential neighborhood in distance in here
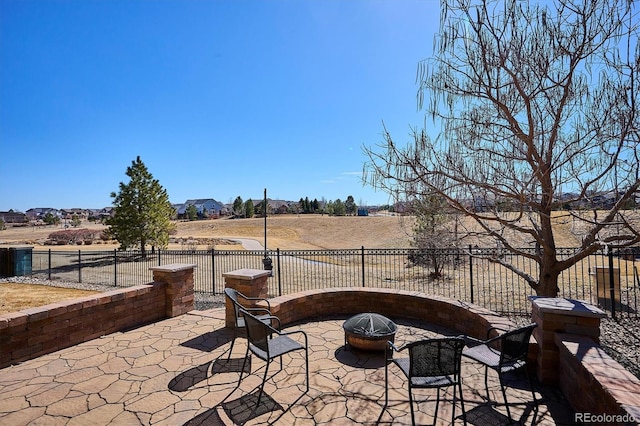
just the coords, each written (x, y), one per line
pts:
(205, 207)
(209, 208)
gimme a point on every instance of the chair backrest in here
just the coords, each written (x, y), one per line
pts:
(257, 332)
(514, 344)
(435, 357)
(232, 294)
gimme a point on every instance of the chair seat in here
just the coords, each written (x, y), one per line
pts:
(277, 346)
(424, 382)
(491, 358)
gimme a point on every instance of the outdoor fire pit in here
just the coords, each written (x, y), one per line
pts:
(369, 332)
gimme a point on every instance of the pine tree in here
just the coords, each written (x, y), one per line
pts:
(142, 211)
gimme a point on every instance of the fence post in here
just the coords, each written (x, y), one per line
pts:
(278, 271)
(213, 270)
(362, 263)
(79, 266)
(49, 264)
(115, 267)
(612, 285)
(471, 273)
(159, 263)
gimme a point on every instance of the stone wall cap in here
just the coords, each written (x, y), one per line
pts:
(174, 267)
(246, 274)
(563, 306)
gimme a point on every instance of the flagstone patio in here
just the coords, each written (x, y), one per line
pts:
(175, 372)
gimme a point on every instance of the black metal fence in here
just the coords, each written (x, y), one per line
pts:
(466, 274)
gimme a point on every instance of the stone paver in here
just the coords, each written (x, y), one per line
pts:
(175, 372)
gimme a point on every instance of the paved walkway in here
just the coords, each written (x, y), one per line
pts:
(175, 372)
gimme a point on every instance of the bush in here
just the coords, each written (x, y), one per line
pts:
(72, 236)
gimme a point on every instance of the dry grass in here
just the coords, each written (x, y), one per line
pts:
(17, 296)
(287, 232)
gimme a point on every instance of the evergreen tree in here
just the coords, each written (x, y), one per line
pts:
(142, 211)
(238, 206)
(192, 212)
(350, 206)
(338, 208)
(249, 208)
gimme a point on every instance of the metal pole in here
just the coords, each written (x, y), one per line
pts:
(611, 285)
(471, 273)
(266, 261)
(115, 267)
(364, 284)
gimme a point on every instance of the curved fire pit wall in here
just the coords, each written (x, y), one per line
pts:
(463, 317)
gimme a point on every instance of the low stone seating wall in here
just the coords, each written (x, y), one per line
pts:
(37, 331)
(595, 384)
(465, 318)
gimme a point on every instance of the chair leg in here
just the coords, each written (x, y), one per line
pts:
(435, 412)
(464, 413)
(306, 357)
(386, 383)
(244, 362)
(264, 379)
(486, 382)
(413, 418)
(233, 341)
(504, 395)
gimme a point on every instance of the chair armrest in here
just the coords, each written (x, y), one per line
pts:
(273, 317)
(472, 341)
(252, 310)
(497, 328)
(392, 346)
(256, 299)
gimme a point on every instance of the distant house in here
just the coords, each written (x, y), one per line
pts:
(206, 207)
(274, 206)
(13, 217)
(105, 212)
(82, 214)
(39, 213)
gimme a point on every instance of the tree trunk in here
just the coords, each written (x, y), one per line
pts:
(143, 249)
(548, 284)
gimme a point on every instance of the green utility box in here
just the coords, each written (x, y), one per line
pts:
(15, 261)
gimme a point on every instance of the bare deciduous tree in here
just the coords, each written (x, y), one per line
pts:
(538, 105)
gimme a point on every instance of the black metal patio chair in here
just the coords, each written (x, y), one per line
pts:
(267, 343)
(504, 354)
(432, 363)
(263, 314)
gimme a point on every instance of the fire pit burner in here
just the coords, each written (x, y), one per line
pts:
(369, 331)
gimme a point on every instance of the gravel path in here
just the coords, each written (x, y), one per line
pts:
(620, 338)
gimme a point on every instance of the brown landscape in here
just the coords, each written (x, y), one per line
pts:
(286, 232)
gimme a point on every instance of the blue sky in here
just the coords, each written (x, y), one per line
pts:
(219, 98)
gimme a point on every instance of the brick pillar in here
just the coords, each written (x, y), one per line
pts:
(178, 281)
(559, 315)
(250, 282)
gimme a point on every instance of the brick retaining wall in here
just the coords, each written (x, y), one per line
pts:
(594, 383)
(37, 331)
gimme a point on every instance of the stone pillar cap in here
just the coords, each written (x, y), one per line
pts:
(174, 267)
(563, 306)
(246, 274)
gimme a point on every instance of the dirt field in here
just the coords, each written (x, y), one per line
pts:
(285, 232)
